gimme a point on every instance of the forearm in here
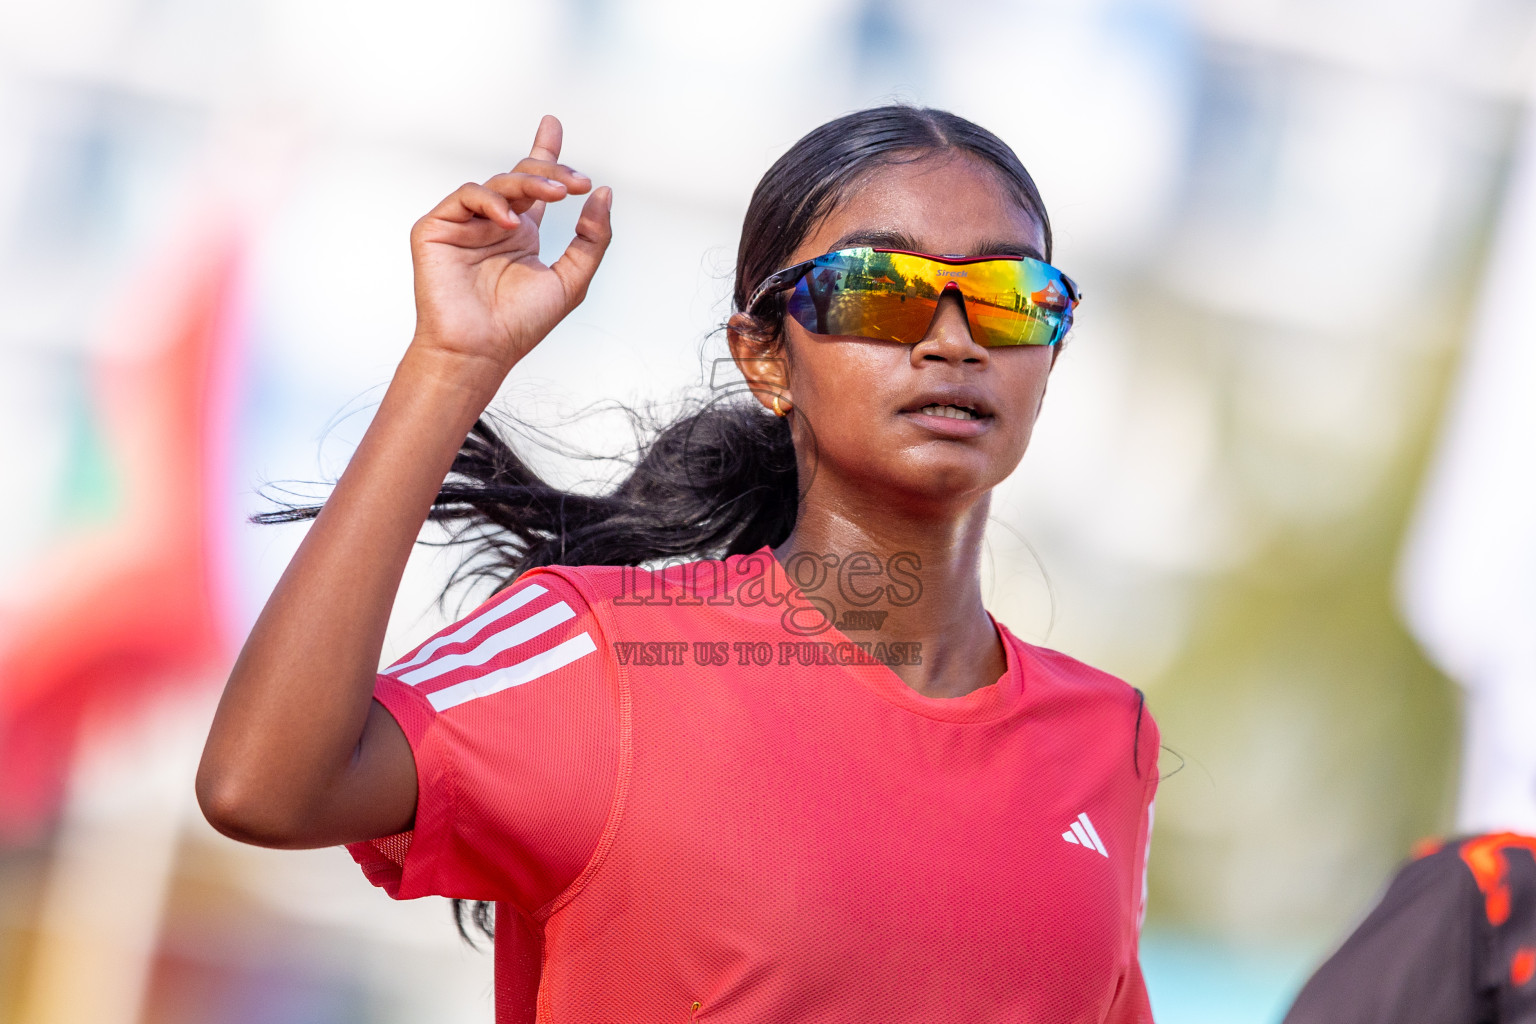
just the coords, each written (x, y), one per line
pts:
(289, 726)
(297, 755)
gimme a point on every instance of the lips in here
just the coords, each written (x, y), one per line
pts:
(952, 401)
(951, 412)
(954, 412)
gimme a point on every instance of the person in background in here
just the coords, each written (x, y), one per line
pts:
(1452, 941)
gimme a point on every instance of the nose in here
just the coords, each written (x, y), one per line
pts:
(949, 335)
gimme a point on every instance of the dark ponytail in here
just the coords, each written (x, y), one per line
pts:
(720, 479)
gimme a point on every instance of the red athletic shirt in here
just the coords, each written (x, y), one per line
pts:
(693, 798)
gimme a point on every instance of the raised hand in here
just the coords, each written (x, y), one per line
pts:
(299, 754)
(481, 292)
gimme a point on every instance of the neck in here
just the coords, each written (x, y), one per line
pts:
(926, 571)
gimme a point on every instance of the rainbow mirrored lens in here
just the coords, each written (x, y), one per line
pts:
(891, 295)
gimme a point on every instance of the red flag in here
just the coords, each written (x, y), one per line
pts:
(131, 607)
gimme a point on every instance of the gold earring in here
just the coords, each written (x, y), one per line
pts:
(778, 410)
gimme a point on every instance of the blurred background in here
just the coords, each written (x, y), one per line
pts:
(1282, 481)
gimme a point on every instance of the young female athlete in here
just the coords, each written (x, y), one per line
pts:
(791, 770)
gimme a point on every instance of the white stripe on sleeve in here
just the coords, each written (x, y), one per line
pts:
(514, 675)
(473, 626)
(517, 633)
(1146, 864)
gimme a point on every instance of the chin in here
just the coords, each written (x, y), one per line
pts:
(943, 475)
(944, 481)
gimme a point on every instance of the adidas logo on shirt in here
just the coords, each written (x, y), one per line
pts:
(1082, 833)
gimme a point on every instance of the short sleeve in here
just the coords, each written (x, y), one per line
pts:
(512, 715)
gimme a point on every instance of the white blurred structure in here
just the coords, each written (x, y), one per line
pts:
(1469, 575)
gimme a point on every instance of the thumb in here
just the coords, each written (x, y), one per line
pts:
(594, 230)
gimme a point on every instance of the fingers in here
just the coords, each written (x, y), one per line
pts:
(470, 200)
(508, 200)
(594, 230)
(574, 181)
(547, 140)
(570, 177)
(500, 200)
(530, 202)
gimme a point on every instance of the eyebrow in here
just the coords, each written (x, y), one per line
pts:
(902, 240)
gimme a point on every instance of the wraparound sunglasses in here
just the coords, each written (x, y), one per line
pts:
(892, 295)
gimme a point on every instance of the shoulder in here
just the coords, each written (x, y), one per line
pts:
(1067, 673)
(621, 591)
(582, 583)
(1051, 677)
(594, 585)
(525, 632)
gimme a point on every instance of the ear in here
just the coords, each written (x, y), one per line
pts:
(760, 358)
